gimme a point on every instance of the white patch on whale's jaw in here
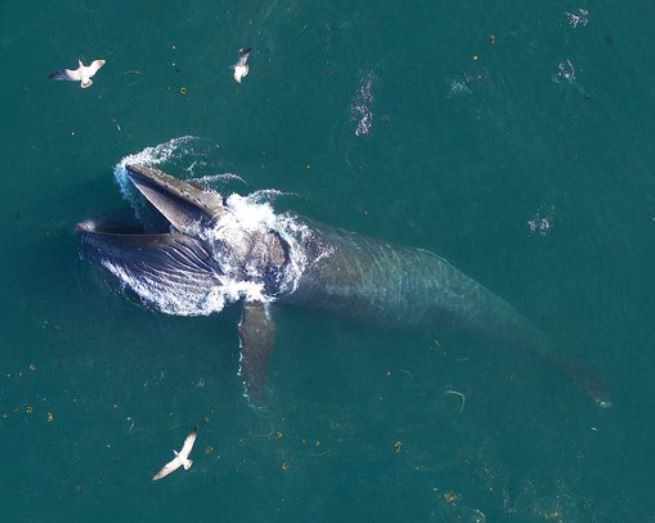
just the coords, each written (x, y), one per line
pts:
(169, 298)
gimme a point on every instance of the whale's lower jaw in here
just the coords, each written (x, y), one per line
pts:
(170, 272)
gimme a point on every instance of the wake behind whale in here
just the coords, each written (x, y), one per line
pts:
(188, 250)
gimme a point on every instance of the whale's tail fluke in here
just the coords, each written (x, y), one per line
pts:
(492, 316)
(524, 334)
(582, 377)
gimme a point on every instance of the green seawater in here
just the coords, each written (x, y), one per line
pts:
(530, 168)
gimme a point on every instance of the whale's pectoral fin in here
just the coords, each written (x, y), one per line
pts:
(257, 335)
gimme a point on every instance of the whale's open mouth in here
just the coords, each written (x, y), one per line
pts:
(185, 250)
(118, 223)
(173, 209)
(151, 254)
(169, 204)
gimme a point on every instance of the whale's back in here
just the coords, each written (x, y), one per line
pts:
(367, 280)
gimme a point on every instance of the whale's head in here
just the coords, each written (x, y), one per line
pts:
(171, 257)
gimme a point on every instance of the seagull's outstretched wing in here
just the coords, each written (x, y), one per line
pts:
(188, 443)
(95, 65)
(171, 466)
(243, 55)
(66, 74)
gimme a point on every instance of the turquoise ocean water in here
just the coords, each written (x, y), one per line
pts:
(512, 138)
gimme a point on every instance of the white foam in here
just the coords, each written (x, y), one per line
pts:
(579, 18)
(227, 239)
(267, 195)
(243, 217)
(460, 86)
(150, 156)
(211, 179)
(166, 298)
(543, 221)
(365, 122)
(361, 106)
(565, 72)
(194, 164)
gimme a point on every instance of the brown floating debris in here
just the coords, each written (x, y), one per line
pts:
(451, 497)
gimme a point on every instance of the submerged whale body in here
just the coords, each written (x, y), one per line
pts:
(203, 251)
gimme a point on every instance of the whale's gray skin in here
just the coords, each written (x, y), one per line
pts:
(344, 273)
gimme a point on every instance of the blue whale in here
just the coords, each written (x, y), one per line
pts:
(193, 251)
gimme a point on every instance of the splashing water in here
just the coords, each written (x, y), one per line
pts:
(269, 195)
(216, 180)
(460, 86)
(151, 156)
(167, 298)
(361, 107)
(565, 72)
(542, 222)
(579, 18)
(244, 216)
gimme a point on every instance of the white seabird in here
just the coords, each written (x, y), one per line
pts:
(181, 458)
(241, 68)
(82, 74)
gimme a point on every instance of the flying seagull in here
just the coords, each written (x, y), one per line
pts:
(181, 458)
(241, 68)
(82, 74)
